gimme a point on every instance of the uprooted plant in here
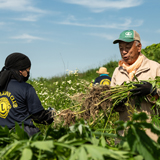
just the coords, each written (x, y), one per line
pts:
(99, 102)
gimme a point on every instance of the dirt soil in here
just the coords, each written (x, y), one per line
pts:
(92, 99)
(89, 105)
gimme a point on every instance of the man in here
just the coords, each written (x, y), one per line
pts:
(18, 99)
(135, 63)
(103, 78)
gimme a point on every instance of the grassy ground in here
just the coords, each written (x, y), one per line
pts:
(84, 140)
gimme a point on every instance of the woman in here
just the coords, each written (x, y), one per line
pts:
(18, 99)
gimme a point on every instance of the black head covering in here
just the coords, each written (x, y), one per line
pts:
(13, 64)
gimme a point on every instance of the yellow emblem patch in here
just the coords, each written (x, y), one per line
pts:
(105, 82)
(4, 107)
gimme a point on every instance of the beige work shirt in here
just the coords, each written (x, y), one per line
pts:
(148, 69)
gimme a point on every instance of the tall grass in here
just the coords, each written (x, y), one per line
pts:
(91, 73)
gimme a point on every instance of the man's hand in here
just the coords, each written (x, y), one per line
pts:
(143, 89)
(120, 107)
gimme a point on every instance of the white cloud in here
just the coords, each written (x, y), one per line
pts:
(125, 24)
(103, 35)
(102, 5)
(30, 18)
(19, 5)
(27, 37)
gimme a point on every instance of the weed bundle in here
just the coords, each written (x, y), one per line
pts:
(100, 101)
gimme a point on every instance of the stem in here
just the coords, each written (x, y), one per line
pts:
(72, 107)
(97, 118)
(108, 119)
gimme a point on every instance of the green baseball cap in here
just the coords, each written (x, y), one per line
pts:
(128, 36)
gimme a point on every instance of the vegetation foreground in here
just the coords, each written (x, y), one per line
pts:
(73, 137)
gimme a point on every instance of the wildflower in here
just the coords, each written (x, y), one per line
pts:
(45, 93)
(46, 98)
(69, 81)
(76, 72)
(56, 82)
(63, 82)
(72, 88)
(70, 72)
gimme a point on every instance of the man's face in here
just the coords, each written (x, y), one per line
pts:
(129, 51)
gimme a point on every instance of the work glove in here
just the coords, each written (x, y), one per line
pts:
(120, 106)
(51, 109)
(143, 89)
(122, 101)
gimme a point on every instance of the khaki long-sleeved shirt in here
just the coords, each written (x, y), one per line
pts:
(148, 70)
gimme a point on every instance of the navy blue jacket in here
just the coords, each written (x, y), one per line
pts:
(18, 103)
(103, 80)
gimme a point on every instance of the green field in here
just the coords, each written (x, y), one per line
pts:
(81, 138)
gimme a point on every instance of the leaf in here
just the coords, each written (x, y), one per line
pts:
(158, 140)
(105, 134)
(131, 139)
(142, 150)
(4, 131)
(63, 138)
(139, 116)
(20, 132)
(97, 152)
(75, 154)
(94, 152)
(11, 148)
(153, 128)
(76, 142)
(124, 145)
(26, 154)
(158, 102)
(95, 141)
(142, 143)
(139, 157)
(82, 154)
(103, 141)
(44, 145)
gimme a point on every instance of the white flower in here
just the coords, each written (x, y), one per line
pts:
(46, 98)
(69, 81)
(72, 88)
(70, 72)
(63, 82)
(76, 71)
(45, 93)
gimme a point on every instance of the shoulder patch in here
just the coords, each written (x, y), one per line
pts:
(105, 82)
(4, 107)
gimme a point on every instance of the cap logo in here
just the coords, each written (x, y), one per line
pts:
(128, 33)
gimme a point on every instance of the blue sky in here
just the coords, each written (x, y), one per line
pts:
(73, 34)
